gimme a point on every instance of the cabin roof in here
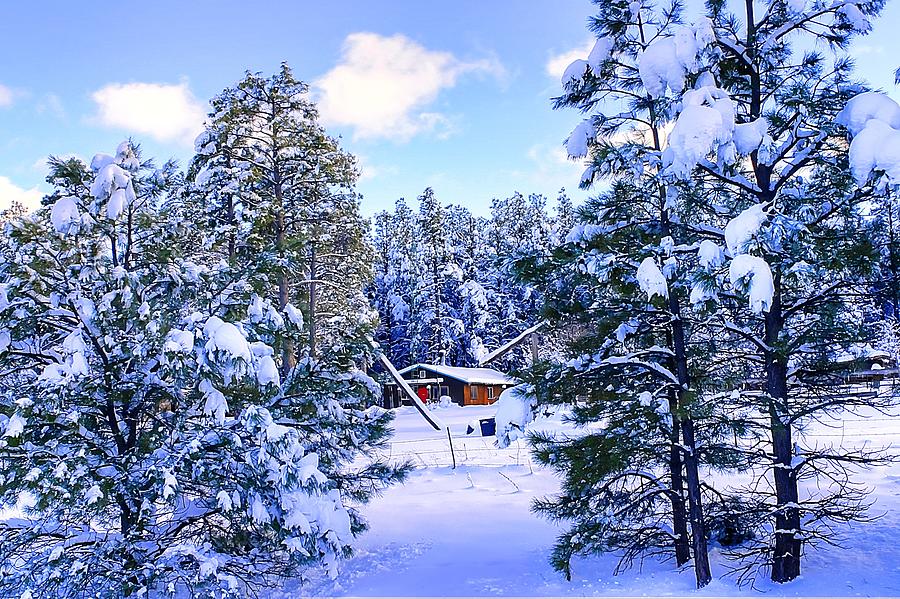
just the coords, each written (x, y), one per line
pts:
(478, 376)
(859, 351)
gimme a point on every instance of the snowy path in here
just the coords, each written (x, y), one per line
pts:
(470, 531)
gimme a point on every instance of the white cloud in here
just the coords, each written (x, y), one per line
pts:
(367, 170)
(382, 84)
(556, 65)
(162, 111)
(550, 170)
(51, 104)
(553, 164)
(864, 49)
(6, 96)
(10, 193)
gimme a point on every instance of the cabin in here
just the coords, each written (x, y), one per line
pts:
(865, 357)
(464, 386)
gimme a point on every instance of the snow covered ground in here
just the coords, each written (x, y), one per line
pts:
(470, 531)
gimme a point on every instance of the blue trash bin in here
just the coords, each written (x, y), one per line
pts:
(488, 427)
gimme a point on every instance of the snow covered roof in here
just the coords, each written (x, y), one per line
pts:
(479, 376)
(860, 351)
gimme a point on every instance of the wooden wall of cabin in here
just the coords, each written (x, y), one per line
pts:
(457, 390)
(460, 393)
(391, 396)
(481, 394)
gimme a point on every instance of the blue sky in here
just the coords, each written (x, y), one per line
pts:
(452, 95)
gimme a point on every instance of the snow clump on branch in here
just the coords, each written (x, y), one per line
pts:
(753, 274)
(651, 280)
(873, 119)
(667, 60)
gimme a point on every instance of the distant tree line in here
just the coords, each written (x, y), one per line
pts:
(445, 286)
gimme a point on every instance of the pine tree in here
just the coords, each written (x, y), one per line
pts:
(886, 236)
(617, 372)
(396, 273)
(283, 190)
(795, 211)
(518, 226)
(147, 420)
(756, 147)
(640, 241)
(872, 120)
(468, 300)
(303, 260)
(430, 338)
(179, 423)
(565, 218)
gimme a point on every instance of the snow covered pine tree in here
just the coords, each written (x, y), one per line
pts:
(519, 225)
(297, 250)
(641, 364)
(157, 445)
(741, 132)
(278, 192)
(432, 332)
(873, 119)
(139, 426)
(395, 239)
(760, 133)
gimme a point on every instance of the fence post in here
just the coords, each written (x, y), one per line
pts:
(452, 453)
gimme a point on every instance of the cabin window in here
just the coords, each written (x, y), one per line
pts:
(421, 374)
(490, 391)
(473, 392)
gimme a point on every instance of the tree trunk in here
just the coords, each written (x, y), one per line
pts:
(702, 571)
(288, 359)
(788, 546)
(689, 458)
(312, 301)
(893, 281)
(679, 515)
(786, 558)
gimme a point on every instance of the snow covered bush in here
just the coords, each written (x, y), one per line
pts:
(145, 419)
(515, 409)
